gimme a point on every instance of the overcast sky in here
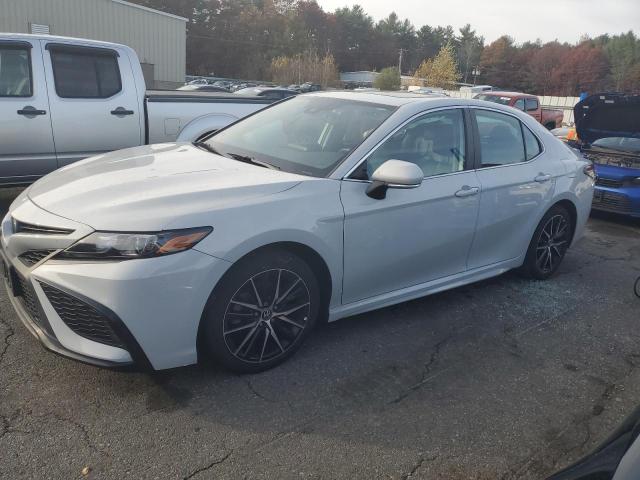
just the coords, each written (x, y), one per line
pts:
(565, 20)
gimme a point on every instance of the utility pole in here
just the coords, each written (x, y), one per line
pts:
(475, 72)
(400, 61)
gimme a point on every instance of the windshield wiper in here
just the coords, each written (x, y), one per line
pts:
(251, 160)
(207, 147)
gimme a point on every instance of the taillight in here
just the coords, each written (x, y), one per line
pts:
(589, 171)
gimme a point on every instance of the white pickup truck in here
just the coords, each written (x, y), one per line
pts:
(65, 99)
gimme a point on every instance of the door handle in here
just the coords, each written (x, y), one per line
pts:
(121, 111)
(29, 111)
(542, 177)
(467, 191)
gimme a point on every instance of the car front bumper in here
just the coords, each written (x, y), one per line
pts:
(143, 312)
(616, 190)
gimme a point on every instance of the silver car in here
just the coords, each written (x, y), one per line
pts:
(322, 206)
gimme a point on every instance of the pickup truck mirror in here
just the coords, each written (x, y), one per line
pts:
(394, 174)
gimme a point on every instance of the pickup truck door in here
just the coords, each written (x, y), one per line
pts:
(93, 99)
(26, 139)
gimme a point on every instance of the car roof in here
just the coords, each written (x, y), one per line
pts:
(58, 38)
(394, 99)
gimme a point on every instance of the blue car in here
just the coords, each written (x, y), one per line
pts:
(608, 126)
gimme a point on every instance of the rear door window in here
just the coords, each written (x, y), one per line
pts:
(15, 71)
(532, 104)
(501, 141)
(85, 73)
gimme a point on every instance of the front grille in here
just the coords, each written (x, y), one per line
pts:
(81, 317)
(23, 290)
(31, 257)
(23, 227)
(606, 182)
(610, 201)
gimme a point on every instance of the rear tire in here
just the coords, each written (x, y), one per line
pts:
(261, 311)
(549, 244)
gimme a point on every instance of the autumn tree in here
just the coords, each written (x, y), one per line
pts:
(582, 69)
(241, 38)
(440, 71)
(309, 67)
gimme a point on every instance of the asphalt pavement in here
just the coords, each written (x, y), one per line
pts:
(504, 379)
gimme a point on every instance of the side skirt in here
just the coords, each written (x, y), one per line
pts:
(423, 289)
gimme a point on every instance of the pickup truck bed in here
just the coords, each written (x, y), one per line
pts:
(187, 116)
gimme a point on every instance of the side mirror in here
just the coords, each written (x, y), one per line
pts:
(394, 174)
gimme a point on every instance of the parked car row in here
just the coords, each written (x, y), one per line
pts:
(233, 86)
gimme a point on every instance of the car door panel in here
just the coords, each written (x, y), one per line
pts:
(410, 237)
(513, 198)
(26, 139)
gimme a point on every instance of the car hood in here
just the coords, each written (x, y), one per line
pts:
(147, 188)
(607, 115)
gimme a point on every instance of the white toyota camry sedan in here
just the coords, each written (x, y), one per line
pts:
(319, 207)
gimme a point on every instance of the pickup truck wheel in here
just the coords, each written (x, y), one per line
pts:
(261, 311)
(549, 125)
(549, 244)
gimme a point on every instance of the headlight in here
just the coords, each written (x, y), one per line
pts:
(636, 181)
(124, 246)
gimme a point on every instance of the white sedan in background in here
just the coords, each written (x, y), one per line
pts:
(319, 207)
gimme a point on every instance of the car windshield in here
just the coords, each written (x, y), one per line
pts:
(623, 144)
(308, 135)
(494, 98)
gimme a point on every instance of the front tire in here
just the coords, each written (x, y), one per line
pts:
(261, 311)
(549, 244)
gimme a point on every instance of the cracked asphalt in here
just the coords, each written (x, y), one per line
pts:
(504, 379)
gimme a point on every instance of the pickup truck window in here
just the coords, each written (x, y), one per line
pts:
(519, 104)
(15, 72)
(531, 104)
(85, 73)
(501, 141)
